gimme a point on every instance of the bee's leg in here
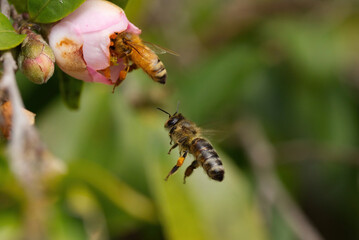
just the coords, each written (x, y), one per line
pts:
(179, 163)
(189, 170)
(133, 66)
(174, 146)
(182, 140)
(122, 77)
(123, 74)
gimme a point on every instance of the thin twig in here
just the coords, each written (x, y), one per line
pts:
(271, 190)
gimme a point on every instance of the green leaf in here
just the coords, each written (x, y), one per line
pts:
(70, 89)
(117, 191)
(48, 11)
(120, 3)
(19, 5)
(8, 37)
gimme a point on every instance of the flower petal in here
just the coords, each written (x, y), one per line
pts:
(115, 71)
(96, 15)
(96, 45)
(81, 41)
(97, 77)
(133, 29)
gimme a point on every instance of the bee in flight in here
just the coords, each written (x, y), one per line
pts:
(131, 48)
(186, 135)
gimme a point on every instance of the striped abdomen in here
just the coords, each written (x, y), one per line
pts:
(146, 59)
(158, 72)
(208, 158)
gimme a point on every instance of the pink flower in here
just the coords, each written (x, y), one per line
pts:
(81, 41)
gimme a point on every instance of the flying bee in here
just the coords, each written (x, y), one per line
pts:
(131, 48)
(186, 135)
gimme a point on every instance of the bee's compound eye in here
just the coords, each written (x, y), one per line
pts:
(172, 121)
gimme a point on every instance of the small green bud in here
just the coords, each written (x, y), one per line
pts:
(36, 59)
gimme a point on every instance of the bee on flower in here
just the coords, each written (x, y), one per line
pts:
(97, 43)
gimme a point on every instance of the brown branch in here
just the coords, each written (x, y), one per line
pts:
(31, 162)
(271, 190)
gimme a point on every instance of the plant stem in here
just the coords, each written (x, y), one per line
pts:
(29, 159)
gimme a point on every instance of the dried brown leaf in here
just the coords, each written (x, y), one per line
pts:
(6, 118)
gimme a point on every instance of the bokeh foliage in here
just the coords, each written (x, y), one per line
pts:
(293, 67)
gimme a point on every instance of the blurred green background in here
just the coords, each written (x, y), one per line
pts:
(277, 75)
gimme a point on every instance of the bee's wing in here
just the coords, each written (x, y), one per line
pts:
(136, 47)
(211, 133)
(216, 135)
(158, 49)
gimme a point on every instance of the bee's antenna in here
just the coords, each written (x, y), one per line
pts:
(178, 103)
(164, 111)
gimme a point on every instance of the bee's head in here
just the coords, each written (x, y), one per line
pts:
(122, 41)
(173, 119)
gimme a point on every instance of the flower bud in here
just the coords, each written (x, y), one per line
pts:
(81, 41)
(36, 59)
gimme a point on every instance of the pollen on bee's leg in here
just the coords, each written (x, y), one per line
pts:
(180, 161)
(177, 166)
(106, 72)
(114, 35)
(123, 75)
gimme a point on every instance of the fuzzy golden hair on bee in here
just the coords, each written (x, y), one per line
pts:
(137, 53)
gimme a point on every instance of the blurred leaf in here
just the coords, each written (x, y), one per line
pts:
(78, 123)
(341, 123)
(85, 205)
(70, 89)
(312, 49)
(279, 227)
(201, 209)
(9, 186)
(82, 202)
(8, 37)
(137, 10)
(20, 6)
(10, 226)
(120, 3)
(62, 225)
(227, 77)
(48, 11)
(115, 190)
